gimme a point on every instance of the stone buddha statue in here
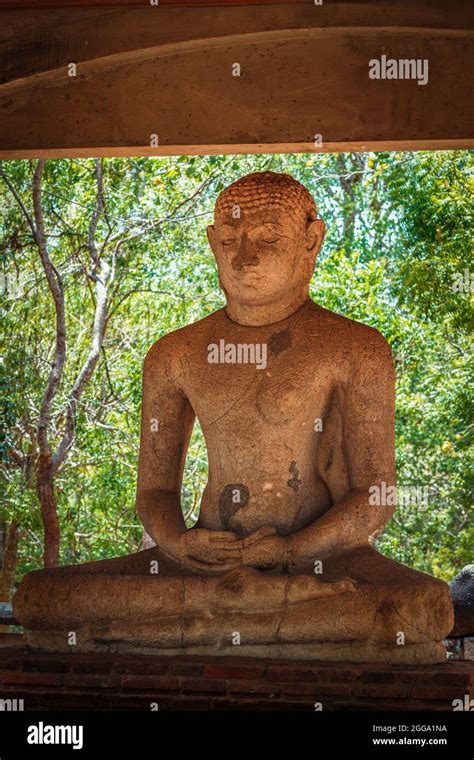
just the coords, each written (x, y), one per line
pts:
(296, 404)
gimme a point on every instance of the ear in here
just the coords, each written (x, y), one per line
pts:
(315, 231)
(211, 236)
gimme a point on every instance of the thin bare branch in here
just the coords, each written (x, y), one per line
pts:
(57, 291)
(101, 274)
(98, 209)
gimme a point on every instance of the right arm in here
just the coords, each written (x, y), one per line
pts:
(167, 420)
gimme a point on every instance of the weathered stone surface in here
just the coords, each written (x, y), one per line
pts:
(297, 408)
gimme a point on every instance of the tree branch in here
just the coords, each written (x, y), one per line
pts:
(57, 291)
(102, 274)
(18, 199)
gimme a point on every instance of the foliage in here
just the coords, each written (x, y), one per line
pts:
(399, 228)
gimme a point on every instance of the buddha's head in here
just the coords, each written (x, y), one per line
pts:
(265, 238)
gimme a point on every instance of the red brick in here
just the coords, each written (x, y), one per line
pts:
(381, 690)
(234, 704)
(339, 675)
(378, 676)
(317, 690)
(203, 685)
(444, 673)
(137, 666)
(253, 687)
(449, 666)
(446, 693)
(298, 688)
(414, 677)
(218, 683)
(151, 683)
(285, 673)
(40, 665)
(328, 687)
(185, 669)
(453, 679)
(92, 679)
(86, 666)
(8, 663)
(143, 668)
(234, 671)
(30, 679)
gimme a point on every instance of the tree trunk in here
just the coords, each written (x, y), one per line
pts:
(47, 499)
(8, 561)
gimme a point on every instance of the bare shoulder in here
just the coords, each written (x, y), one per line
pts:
(179, 345)
(349, 334)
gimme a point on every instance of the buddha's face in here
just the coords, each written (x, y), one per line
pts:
(264, 252)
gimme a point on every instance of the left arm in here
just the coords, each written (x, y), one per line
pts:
(369, 445)
(368, 441)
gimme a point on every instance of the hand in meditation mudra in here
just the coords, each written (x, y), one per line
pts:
(296, 404)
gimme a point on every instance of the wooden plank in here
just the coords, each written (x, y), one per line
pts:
(422, 9)
(41, 41)
(22, 4)
(168, 71)
(239, 149)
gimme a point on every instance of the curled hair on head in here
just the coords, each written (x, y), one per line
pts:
(256, 188)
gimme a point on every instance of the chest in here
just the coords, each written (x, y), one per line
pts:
(263, 386)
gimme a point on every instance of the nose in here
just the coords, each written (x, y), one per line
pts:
(246, 255)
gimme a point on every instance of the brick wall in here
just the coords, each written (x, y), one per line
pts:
(114, 682)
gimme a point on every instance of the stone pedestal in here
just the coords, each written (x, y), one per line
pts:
(387, 613)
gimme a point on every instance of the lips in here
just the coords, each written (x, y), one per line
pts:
(249, 273)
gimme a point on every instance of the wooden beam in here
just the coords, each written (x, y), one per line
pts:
(422, 9)
(141, 72)
(240, 149)
(22, 4)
